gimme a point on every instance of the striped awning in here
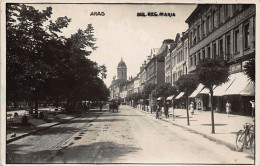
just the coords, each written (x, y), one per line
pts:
(179, 95)
(159, 98)
(197, 91)
(170, 97)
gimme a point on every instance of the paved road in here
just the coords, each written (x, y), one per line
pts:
(129, 136)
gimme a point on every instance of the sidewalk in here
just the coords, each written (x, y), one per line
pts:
(200, 123)
(39, 125)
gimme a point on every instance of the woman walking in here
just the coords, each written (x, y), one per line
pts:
(228, 108)
(192, 108)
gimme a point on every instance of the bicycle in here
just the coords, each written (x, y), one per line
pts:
(246, 138)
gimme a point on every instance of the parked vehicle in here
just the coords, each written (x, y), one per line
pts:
(246, 138)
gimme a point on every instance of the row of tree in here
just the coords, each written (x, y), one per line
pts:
(43, 65)
(209, 72)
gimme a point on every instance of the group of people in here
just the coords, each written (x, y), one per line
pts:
(159, 110)
(192, 108)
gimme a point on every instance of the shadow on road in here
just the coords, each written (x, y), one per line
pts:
(99, 152)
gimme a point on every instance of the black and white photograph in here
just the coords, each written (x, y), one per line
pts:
(136, 83)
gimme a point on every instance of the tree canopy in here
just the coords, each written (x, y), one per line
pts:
(43, 65)
(148, 90)
(212, 72)
(250, 69)
(164, 90)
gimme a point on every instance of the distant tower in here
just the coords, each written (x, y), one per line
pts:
(121, 70)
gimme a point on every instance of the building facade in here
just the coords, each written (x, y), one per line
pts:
(116, 85)
(179, 56)
(224, 31)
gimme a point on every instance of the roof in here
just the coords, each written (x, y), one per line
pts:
(121, 64)
(194, 13)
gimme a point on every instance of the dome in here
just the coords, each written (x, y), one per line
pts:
(121, 64)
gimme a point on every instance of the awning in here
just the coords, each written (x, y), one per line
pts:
(197, 91)
(179, 95)
(238, 84)
(170, 97)
(220, 90)
(205, 91)
(249, 90)
(160, 98)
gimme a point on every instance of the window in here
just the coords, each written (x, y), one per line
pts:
(209, 52)
(195, 59)
(191, 61)
(228, 55)
(194, 40)
(191, 44)
(236, 35)
(208, 24)
(228, 11)
(246, 36)
(203, 28)
(186, 53)
(221, 48)
(203, 54)
(198, 32)
(214, 53)
(221, 14)
(215, 19)
(199, 58)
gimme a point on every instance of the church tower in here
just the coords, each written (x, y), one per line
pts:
(122, 70)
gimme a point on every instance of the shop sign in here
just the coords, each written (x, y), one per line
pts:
(235, 68)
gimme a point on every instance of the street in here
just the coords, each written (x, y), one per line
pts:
(129, 136)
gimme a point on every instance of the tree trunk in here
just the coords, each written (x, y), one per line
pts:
(188, 120)
(36, 105)
(212, 112)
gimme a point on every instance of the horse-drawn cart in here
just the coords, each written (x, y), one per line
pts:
(113, 106)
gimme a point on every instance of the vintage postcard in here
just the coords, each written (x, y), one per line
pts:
(140, 83)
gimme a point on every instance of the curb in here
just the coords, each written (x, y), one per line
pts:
(35, 131)
(227, 144)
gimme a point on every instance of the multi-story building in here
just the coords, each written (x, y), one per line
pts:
(137, 83)
(115, 87)
(142, 76)
(168, 64)
(179, 56)
(226, 31)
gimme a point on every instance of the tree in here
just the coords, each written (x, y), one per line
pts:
(103, 71)
(27, 34)
(148, 88)
(187, 84)
(211, 73)
(250, 69)
(41, 64)
(164, 90)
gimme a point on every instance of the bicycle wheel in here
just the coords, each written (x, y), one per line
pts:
(252, 145)
(240, 140)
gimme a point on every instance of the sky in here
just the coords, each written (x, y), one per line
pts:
(120, 33)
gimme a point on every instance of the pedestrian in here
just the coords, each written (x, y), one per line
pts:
(158, 112)
(166, 109)
(192, 108)
(228, 107)
(253, 109)
(199, 105)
